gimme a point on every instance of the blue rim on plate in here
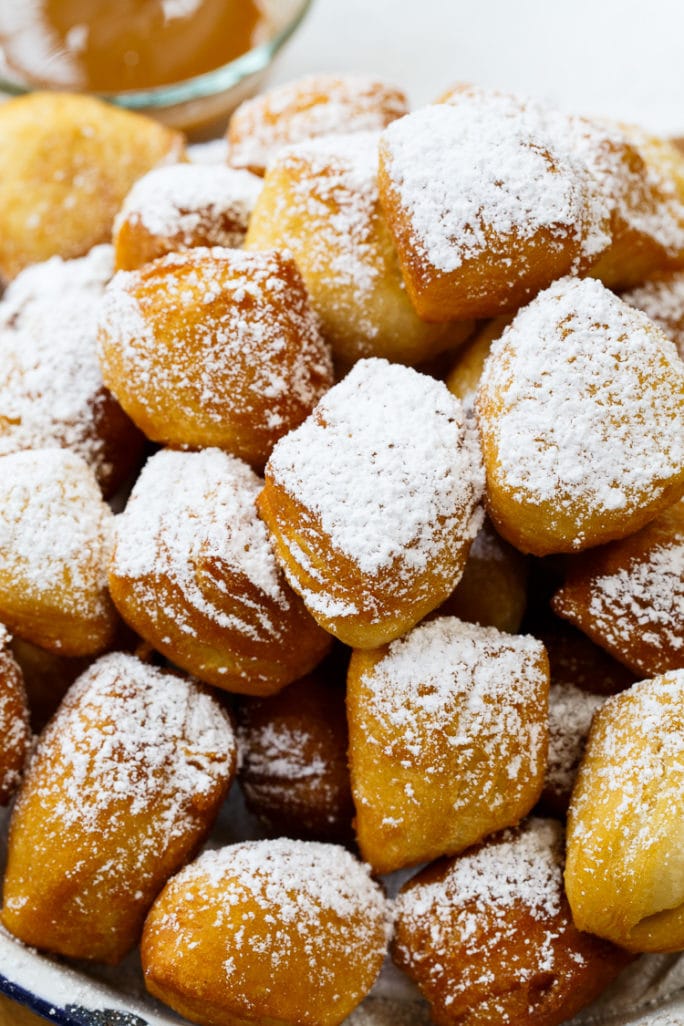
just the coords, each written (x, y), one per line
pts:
(72, 1015)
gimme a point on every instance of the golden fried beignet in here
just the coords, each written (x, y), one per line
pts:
(51, 388)
(320, 202)
(464, 376)
(15, 733)
(313, 106)
(629, 596)
(489, 939)
(294, 772)
(66, 164)
(273, 933)
(624, 876)
(493, 589)
(214, 347)
(581, 413)
(56, 537)
(179, 206)
(488, 202)
(193, 572)
(447, 739)
(662, 299)
(372, 503)
(574, 659)
(123, 788)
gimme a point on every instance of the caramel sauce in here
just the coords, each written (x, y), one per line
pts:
(114, 45)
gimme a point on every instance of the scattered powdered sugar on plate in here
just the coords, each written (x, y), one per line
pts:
(316, 105)
(179, 201)
(192, 509)
(486, 166)
(571, 711)
(589, 398)
(56, 532)
(50, 380)
(384, 439)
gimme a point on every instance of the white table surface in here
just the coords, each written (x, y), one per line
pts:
(619, 59)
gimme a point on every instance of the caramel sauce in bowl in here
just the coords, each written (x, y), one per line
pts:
(188, 63)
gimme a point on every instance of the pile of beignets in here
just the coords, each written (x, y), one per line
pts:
(348, 473)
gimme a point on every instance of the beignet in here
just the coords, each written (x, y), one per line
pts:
(624, 876)
(176, 207)
(488, 201)
(489, 938)
(313, 106)
(51, 387)
(372, 503)
(122, 789)
(581, 414)
(273, 933)
(662, 299)
(56, 538)
(629, 596)
(214, 347)
(571, 711)
(66, 164)
(447, 739)
(320, 202)
(15, 733)
(193, 572)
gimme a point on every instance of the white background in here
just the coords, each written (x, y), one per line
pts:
(622, 60)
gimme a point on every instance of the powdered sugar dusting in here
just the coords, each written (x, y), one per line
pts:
(470, 905)
(50, 380)
(489, 165)
(359, 459)
(470, 686)
(129, 741)
(662, 300)
(571, 711)
(590, 396)
(14, 722)
(279, 896)
(178, 202)
(259, 346)
(188, 510)
(316, 105)
(56, 533)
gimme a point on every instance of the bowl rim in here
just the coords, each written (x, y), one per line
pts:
(199, 87)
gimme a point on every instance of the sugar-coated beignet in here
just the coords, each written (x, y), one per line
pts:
(488, 202)
(313, 106)
(629, 596)
(571, 710)
(489, 938)
(214, 347)
(493, 588)
(15, 733)
(273, 933)
(447, 739)
(51, 387)
(122, 789)
(581, 413)
(56, 537)
(179, 206)
(294, 772)
(66, 164)
(662, 299)
(373, 502)
(320, 202)
(624, 876)
(193, 572)
(574, 659)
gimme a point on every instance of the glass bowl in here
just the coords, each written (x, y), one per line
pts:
(201, 105)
